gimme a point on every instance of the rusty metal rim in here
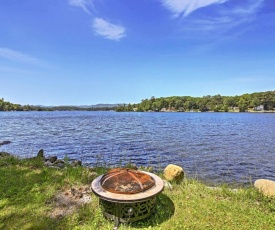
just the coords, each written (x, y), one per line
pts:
(127, 198)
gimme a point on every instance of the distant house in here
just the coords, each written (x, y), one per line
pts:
(135, 109)
(163, 110)
(171, 109)
(234, 108)
(259, 108)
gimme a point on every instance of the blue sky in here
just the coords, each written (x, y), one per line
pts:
(82, 52)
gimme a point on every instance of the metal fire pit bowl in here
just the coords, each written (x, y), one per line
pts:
(127, 195)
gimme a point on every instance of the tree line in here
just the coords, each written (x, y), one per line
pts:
(259, 101)
(8, 106)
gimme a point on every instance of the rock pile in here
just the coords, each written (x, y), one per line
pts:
(54, 162)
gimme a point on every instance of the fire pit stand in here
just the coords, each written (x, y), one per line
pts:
(127, 195)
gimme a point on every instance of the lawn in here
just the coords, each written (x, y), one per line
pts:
(29, 199)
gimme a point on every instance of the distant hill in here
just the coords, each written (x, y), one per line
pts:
(8, 106)
(99, 106)
(81, 106)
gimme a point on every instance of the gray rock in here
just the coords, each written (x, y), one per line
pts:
(58, 161)
(40, 153)
(4, 142)
(52, 159)
(48, 163)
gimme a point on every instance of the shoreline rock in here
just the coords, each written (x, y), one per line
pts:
(4, 142)
(40, 153)
(173, 173)
(266, 187)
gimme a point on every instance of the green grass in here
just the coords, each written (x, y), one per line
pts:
(27, 189)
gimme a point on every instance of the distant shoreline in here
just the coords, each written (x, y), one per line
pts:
(266, 111)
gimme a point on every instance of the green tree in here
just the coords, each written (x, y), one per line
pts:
(225, 105)
(242, 105)
(254, 102)
(203, 105)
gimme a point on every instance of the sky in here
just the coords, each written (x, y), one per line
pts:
(85, 52)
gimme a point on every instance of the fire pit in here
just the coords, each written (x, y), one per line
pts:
(127, 195)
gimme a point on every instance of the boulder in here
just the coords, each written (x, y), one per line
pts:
(266, 187)
(40, 153)
(59, 163)
(48, 163)
(173, 173)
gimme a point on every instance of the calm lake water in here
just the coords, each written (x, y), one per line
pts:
(214, 147)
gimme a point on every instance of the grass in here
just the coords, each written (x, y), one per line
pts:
(27, 189)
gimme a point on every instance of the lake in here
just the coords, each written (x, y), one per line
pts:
(235, 148)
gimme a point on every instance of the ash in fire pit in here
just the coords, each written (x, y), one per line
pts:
(127, 195)
(126, 181)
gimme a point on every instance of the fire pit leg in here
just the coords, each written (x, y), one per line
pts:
(117, 216)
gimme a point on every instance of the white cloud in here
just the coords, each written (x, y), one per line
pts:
(185, 7)
(17, 56)
(108, 30)
(249, 7)
(224, 20)
(84, 4)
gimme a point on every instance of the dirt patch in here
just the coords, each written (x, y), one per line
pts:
(66, 202)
